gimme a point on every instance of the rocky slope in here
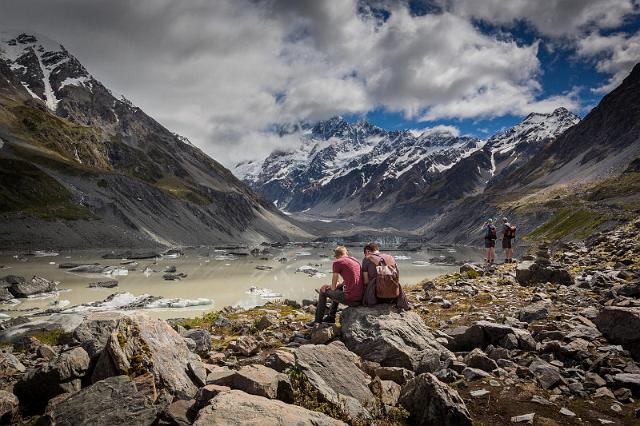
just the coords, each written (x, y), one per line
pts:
(81, 167)
(552, 340)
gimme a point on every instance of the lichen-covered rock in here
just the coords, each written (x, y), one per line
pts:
(333, 372)
(140, 344)
(8, 406)
(260, 380)
(393, 339)
(238, 408)
(113, 401)
(431, 402)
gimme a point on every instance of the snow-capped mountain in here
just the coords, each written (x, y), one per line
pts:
(513, 147)
(96, 155)
(341, 167)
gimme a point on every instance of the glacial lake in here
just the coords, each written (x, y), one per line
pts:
(212, 275)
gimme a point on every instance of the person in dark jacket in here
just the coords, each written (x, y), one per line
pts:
(507, 240)
(490, 240)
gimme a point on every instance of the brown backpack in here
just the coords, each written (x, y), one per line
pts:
(387, 277)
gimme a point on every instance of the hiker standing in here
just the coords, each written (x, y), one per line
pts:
(508, 235)
(348, 291)
(490, 236)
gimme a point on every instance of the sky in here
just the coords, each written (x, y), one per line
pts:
(225, 73)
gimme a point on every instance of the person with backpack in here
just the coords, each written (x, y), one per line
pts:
(490, 236)
(348, 291)
(381, 270)
(508, 235)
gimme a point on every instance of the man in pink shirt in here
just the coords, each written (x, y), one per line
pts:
(348, 291)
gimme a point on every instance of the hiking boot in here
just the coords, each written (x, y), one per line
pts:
(311, 324)
(329, 320)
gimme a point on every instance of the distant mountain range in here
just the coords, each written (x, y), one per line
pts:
(80, 167)
(442, 186)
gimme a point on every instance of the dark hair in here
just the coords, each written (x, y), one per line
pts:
(372, 247)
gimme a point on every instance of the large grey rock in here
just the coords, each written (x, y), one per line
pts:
(8, 406)
(65, 322)
(483, 333)
(113, 401)
(431, 402)
(235, 408)
(202, 338)
(10, 365)
(61, 375)
(95, 330)
(262, 381)
(478, 359)
(535, 311)
(35, 285)
(531, 273)
(393, 339)
(332, 370)
(140, 344)
(621, 326)
(546, 374)
(280, 360)
(5, 294)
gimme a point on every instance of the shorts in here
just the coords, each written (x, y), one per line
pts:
(506, 243)
(489, 243)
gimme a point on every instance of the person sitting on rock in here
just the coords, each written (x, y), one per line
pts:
(348, 291)
(373, 258)
(508, 235)
(490, 240)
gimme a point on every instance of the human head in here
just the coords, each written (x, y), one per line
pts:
(505, 220)
(340, 251)
(489, 221)
(371, 248)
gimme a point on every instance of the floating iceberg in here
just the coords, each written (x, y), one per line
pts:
(403, 257)
(264, 293)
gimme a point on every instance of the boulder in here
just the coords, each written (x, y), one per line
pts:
(222, 376)
(104, 284)
(431, 402)
(386, 391)
(10, 365)
(280, 360)
(483, 333)
(36, 285)
(25, 327)
(397, 374)
(471, 267)
(393, 339)
(8, 406)
(333, 371)
(322, 335)
(245, 345)
(236, 407)
(140, 344)
(61, 375)
(262, 381)
(621, 326)
(534, 311)
(5, 294)
(478, 359)
(206, 394)
(202, 338)
(113, 401)
(95, 329)
(531, 273)
(546, 374)
(177, 413)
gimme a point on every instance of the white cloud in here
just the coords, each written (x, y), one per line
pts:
(550, 17)
(439, 129)
(615, 55)
(223, 72)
